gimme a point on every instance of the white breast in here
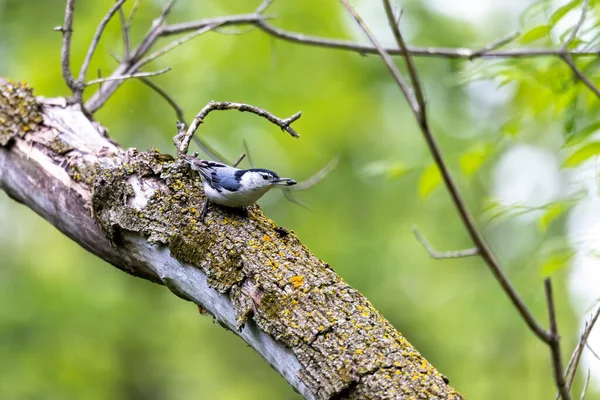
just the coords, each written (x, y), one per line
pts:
(234, 199)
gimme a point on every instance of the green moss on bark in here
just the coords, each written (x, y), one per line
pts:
(20, 113)
(343, 344)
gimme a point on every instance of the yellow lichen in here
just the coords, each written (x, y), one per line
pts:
(297, 280)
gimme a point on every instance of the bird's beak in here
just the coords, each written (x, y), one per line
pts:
(285, 182)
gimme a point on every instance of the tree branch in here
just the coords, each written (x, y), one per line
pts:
(173, 44)
(96, 39)
(433, 253)
(461, 53)
(585, 385)
(65, 53)
(130, 76)
(469, 222)
(130, 64)
(578, 25)
(555, 344)
(125, 33)
(571, 370)
(566, 57)
(183, 138)
(183, 27)
(159, 29)
(256, 280)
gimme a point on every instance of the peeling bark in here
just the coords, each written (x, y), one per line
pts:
(140, 212)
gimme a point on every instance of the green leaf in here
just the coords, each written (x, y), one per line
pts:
(582, 134)
(561, 12)
(430, 179)
(511, 127)
(584, 153)
(391, 171)
(555, 262)
(398, 170)
(553, 212)
(473, 158)
(537, 33)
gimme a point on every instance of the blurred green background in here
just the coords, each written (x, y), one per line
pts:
(73, 327)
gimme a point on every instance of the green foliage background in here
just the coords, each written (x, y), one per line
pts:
(73, 327)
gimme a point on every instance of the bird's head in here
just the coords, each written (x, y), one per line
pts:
(258, 178)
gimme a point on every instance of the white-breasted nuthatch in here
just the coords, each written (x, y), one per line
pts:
(232, 187)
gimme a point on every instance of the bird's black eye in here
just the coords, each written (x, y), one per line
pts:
(265, 177)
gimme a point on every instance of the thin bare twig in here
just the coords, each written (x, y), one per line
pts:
(158, 30)
(130, 76)
(290, 197)
(127, 66)
(578, 25)
(125, 34)
(178, 110)
(239, 160)
(318, 177)
(310, 182)
(469, 222)
(566, 57)
(412, 70)
(183, 141)
(386, 58)
(134, 9)
(415, 51)
(247, 150)
(585, 385)
(495, 45)
(96, 40)
(183, 27)
(592, 351)
(578, 351)
(263, 6)
(439, 255)
(580, 75)
(174, 44)
(65, 52)
(554, 344)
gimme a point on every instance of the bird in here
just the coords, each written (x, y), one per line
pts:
(233, 187)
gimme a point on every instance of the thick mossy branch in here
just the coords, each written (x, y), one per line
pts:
(342, 342)
(140, 211)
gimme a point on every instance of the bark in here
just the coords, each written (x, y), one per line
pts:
(139, 211)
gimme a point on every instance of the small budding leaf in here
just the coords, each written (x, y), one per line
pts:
(398, 170)
(583, 154)
(511, 127)
(473, 159)
(582, 134)
(430, 179)
(537, 33)
(555, 262)
(551, 214)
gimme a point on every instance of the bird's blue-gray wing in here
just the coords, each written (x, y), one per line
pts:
(219, 176)
(228, 182)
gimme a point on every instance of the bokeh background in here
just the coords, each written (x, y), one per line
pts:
(73, 327)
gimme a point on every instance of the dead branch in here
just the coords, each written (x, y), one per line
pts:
(182, 139)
